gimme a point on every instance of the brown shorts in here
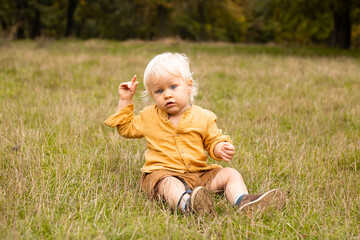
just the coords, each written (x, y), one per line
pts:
(191, 180)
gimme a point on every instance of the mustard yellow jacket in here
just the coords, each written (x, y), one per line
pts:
(179, 149)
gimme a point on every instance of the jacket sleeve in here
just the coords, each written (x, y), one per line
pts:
(213, 136)
(128, 125)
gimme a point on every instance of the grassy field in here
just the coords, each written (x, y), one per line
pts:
(292, 112)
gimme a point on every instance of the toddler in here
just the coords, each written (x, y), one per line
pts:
(177, 133)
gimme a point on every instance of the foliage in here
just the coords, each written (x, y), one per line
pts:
(302, 21)
(299, 21)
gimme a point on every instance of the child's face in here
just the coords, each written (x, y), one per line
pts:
(171, 94)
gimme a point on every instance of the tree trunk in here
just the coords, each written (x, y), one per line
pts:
(36, 26)
(201, 12)
(72, 4)
(341, 34)
(20, 20)
(162, 16)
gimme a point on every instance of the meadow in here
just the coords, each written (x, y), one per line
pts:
(292, 112)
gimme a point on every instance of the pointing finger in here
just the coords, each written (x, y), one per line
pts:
(135, 84)
(133, 79)
(133, 87)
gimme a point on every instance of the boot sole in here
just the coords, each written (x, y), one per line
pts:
(272, 199)
(201, 202)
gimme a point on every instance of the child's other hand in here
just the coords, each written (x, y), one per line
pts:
(127, 90)
(225, 151)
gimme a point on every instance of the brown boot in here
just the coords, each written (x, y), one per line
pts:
(201, 202)
(274, 198)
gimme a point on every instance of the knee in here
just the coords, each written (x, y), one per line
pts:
(231, 173)
(168, 181)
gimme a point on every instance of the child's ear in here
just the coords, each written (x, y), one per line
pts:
(190, 84)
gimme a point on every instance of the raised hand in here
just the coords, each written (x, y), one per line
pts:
(127, 90)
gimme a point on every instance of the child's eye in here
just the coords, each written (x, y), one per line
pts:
(173, 86)
(159, 91)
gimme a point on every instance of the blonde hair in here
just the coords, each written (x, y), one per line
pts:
(174, 64)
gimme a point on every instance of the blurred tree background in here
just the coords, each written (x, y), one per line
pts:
(332, 22)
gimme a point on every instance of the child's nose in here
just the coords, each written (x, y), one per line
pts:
(167, 93)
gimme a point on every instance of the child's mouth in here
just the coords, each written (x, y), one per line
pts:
(170, 104)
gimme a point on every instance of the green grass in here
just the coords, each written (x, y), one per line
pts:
(293, 114)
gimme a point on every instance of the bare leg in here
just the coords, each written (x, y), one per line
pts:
(171, 189)
(231, 181)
